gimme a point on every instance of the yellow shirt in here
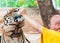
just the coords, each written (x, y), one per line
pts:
(50, 36)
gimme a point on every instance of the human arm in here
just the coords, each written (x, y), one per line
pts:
(33, 23)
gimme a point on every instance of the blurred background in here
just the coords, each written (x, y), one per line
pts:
(18, 3)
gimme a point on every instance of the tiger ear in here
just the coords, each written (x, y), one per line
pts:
(11, 11)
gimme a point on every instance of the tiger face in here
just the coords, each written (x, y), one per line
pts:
(13, 24)
(12, 19)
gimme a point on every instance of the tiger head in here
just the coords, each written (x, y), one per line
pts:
(13, 22)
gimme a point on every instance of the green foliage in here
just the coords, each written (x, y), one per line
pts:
(58, 3)
(18, 3)
(27, 3)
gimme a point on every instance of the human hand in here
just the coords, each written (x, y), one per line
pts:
(22, 11)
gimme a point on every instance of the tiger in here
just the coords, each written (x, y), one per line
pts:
(13, 24)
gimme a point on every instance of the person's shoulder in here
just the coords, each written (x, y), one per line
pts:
(45, 28)
(49, 31)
